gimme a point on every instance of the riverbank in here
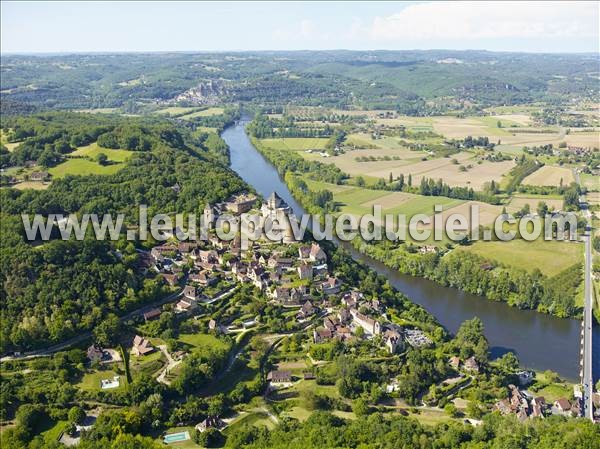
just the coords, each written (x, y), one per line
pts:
(540, 341)
(557, 295)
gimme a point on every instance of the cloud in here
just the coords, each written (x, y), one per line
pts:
(487, 20)
(305, 30)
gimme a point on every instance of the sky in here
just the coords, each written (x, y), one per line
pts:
(46, 26)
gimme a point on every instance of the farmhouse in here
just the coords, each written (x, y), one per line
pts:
(211, 422)
(186, 305)
(141, 346)
(306, 311)
(471, 365)
(151, 314)
(279, 377)
(95, 353)
(171, 279)
(39, 176)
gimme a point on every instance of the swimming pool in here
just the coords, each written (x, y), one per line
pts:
(175, 437)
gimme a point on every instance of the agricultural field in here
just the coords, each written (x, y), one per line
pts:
(550, 175)
(583, 139)
(593, 198)
(592, 182)
(519, 201)
(203, 113)
(486, 216)
(175, 110)
(526, 255)
(295, 143)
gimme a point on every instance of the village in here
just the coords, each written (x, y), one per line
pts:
(296, 277)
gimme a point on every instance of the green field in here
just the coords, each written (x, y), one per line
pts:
(201, 342)
(295, 143)
(4, 141)
(148, 364)
(175, 110)
(539, 254)
(83, 167)
(93, 150)
(203, 113)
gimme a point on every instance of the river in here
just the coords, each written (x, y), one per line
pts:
(540, 341)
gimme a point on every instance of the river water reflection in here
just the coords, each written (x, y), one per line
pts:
(540, 341)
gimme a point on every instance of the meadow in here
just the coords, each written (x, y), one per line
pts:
(93, 150)
(83, 167)
(528, 256)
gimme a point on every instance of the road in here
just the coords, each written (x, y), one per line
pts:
(588, 382)
(587, 374)
(45, 352)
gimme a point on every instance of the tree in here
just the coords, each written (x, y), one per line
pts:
(508, 363)
(211, 437)
(542, 209)
(451, 410)
(102, 159)
(76, 415)
(360, 181)
(107, 332)
(474, 410)
(360, 407)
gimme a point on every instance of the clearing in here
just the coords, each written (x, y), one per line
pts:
(83, 167)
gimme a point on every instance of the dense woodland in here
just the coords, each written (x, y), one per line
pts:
(401, 80)
(52, 291)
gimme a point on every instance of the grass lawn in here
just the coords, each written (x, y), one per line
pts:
(199, 342)
(54, 432)
(93, 150)
(550, 257)
(311, 385)
(551, 391)
(91, 380)
(431, 417)
(149, 364)
(254, 418)
(299, 413)
(83, 167)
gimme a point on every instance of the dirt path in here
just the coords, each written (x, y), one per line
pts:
(171, 363)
